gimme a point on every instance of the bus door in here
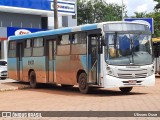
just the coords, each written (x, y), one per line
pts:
(19, 60)
(51, 60)
(93, 58)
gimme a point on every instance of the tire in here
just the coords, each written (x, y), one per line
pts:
(66, 86)
(125, 89)
(83, 85)
(32, 79)
(3, 78)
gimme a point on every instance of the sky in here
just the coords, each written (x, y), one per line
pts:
(136, 5)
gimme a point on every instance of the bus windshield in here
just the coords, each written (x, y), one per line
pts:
(128, 48)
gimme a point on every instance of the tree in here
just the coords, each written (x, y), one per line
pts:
(84, 12)
(156, 17)
(158, 4)
(140, 14)
(91, 11)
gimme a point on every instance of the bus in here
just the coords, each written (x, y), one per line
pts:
(107, 55)
(156, 51)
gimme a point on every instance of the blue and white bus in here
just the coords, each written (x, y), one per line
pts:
(107, 55)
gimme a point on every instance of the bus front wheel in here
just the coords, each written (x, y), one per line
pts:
(83, 85)
(125, 89)
(32, 81)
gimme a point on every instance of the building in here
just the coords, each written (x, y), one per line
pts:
(26, 16)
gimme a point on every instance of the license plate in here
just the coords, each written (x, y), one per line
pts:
(132, 81)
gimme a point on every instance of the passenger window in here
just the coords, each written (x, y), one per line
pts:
(79, 38)
(12, 45)
(12, 49)
(65, 39)
(38, 42)
(28, 43)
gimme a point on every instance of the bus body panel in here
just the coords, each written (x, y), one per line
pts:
(37, 64)
(67, 68)
(12, 68)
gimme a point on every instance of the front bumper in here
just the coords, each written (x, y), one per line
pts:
(110, 82)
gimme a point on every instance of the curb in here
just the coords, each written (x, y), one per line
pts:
(12, 86)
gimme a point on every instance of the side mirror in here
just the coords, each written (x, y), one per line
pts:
(101, 44)
(103, 41)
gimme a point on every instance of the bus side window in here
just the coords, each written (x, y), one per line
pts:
(28, 43)
(79, 44)
(59, 40)
(38, 47)
(72, 38)
(12, 49)
(65, 39)
(63, 47)
(81, 38)
(38, 42)
(28, 49)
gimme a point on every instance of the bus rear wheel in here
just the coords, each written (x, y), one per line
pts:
(32, 78)
(125, 89)
(83, 85)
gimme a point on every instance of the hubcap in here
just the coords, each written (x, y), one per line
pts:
(82, 83)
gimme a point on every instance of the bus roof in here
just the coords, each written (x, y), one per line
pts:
(63, 30)
(55, 31)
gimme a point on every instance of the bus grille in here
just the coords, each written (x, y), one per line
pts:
(128, 74)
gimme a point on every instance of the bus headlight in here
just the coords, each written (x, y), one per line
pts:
(109, 71)
(151, 71)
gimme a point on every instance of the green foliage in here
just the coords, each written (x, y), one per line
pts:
(158, 4)
(92, 11)
(140, 14)
(156, 17)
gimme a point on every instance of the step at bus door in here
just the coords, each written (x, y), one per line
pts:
(93, 59)
(51, 60)
(19, 60)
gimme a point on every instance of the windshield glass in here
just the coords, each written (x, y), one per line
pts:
(128, 48)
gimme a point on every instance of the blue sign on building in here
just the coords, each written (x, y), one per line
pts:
(45, 5)
(148, 21)
(32, 4)
(19, 31)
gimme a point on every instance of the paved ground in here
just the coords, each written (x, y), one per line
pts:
(10, 85)
(56, 98)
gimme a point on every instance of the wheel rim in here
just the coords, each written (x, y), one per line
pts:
(32, 78)
(82, 83)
